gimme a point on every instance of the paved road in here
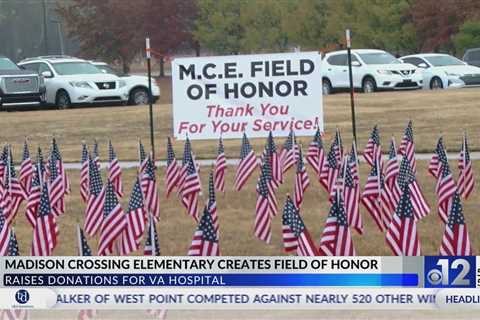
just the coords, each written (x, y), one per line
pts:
(209, 162)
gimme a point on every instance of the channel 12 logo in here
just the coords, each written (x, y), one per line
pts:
(450, 272)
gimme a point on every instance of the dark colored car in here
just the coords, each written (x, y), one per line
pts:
(472, 57)
(19, 87)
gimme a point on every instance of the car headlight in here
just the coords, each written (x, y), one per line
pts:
(451, 74)
(122, 83)
(384, 71)
(81, 84)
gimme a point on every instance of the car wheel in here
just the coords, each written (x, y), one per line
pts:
(369, 85)
(436, 83)
(62, 101)
(138, 96)
(326, 87)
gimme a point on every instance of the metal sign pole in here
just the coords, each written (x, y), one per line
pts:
(147, 50)
(350, 75)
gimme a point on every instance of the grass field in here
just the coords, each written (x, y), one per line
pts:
(446, 112)
(236, 213)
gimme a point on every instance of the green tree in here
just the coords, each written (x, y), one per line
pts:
(218, 26)
(468, 36)
(382, 24)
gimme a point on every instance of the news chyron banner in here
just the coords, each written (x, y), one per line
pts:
(170, 283)
(229, 95)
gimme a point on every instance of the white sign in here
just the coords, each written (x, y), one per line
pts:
(229, 95)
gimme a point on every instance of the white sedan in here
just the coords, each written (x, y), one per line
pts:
(137, 86)
(441, 71)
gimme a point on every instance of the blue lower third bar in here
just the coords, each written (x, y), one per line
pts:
(213, 280)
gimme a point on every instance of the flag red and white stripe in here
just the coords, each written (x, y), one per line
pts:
(220, 167)
(26, 170)
(466, 180)
(316, 154)
(172, 171)
(248, 164)
(455, 241)
(114, 170)
(301, 179)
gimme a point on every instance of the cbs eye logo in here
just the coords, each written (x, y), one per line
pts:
(22, 296)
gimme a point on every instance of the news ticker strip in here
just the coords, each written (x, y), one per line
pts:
(422, 272)
(239, 298)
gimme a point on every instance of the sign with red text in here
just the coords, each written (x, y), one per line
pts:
(229, 95)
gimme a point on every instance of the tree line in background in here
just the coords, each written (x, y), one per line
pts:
(115, 30)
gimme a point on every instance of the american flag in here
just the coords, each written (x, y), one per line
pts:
(96, 153)
(3, 163)
(11, 193)
(149, 188)
(353, 163)
(434, 167)
(84, 174)
(60, 167)
(83, 247)
(113, 223)
(85, 251)
(330, 170)
(248, 163)
(406, 179)
(41, 165)
(402, 235)
(446, 187)
(4, 234)
(212, 201)
(45, 231)
(13, 250)
(373, 149)
(407, 147)
(26, 169)
(33, 199)
(190, 186)
(266, 206)
(376, 198)
(220, 167)
(114, 170)
(270, 153)
(466, 181)
(338, 145)
(301, 179)
(205, 238)
(351, 192)
(96, 200)
(55, 184)
(289, 153)
(152, 247)
(142, 156)
(173, 170)
(295, 234)
(336, 239)
(391, 168)
(316, 153)
(136, 218)
(455, 241)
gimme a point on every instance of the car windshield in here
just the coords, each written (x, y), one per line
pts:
(70, 68)
(107, 69)
(6, 64)
(440, 61)
(378, 58)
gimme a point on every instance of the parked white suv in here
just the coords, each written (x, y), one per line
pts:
(137, 86)
(70, 81)
(372, 70)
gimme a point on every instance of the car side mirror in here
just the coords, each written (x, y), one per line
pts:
(423, 65)
(47, 74)
(356, 64)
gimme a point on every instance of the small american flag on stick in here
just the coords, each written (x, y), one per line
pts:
(402, 235)
(270, 153)
(316, 154)
(392, 170)
(351, 192)
(466, 180)
(446, 187)
(330, 170)
(373, 149)
(152, 247)
(220, 167)
(248, 164)
(455, 241)
(114, 170)
(173, 170)
(289, 153)
(407, 147)
(96, 200)
(26, 169)
(149, 188)
(296, 237)
(205, 238)
(301, 179)
(45, 231)
(266, 206)
(84, 173)
(4, 234)
(190, 186)
(136, 217)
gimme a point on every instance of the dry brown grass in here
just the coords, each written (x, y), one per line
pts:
(237, 210)
(433, 112)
